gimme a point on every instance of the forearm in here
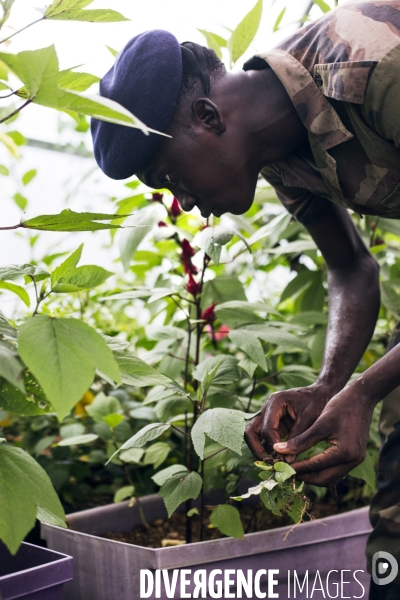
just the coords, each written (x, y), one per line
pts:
(353, 310)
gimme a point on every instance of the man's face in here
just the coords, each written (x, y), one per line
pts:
(202, 168)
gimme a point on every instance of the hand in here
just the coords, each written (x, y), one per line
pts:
(344, 423)
(285, 413)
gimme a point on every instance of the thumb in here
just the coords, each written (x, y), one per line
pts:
(300, 443)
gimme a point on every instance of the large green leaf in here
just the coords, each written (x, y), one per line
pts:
(211, 240)
(25, 488)
(32, 272)
(6, 329)
(222, 289)
(227, 519)
(227, 372)
(37, 69)
(68, 220)
(10, 367)
(180, 488)
(162, 476)
(86, 277)
(245, 32)
(146, 434)
(71, 10)
(275, 336)
(131, 239)
(223, 425)
(63, 355)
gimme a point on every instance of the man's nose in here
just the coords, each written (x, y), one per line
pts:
(186, 201)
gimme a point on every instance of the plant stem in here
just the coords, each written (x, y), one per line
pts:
(202, 501)
(15, 112)
(214, 453)
(11, 227)
(180, 431)
(20, 30)
(251, 394)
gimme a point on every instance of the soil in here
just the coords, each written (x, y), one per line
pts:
(165, 532)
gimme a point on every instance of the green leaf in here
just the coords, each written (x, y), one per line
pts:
(180, 488)
(33, 272)
(297, 509)
(227, 372)
(237, 313)
(63, 354)
(6, 329)
(390, 298)
(366, 470)
(283, 471)
(246, 341)
(214, 41)
(71, 10)
(20, 200)
(227, 519)
(136, 372)
(102, 406)
(133, 455)
(162, 476)
(275, 336)
(113, 52)
(37, 69)
(146, 434)
(69, 264)
(4, 171)
(297, 247)
(77, 82)
(72, 430)
(322, 5)
(78, 439)
(156, 454)
(123, 493)
(130, 239)
(31, 403)
(28, 176)
(245, 32)
(25, 488)
(16, 289)
(68, 220)
(10, 367)
(83, 278)
(255, 490)
(211, 240)
(222, 289)
(279, 19)
(223, 425)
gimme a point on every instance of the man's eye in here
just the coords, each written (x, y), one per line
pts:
(166, 179)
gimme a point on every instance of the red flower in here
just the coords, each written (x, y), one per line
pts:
(175, 209)
(209, 314)
(192, 286)
(187, 250)
(162, 224)
(157, 197)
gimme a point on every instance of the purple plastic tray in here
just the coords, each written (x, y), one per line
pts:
(34, 573)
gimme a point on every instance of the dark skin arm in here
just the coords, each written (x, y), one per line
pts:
(322, 411)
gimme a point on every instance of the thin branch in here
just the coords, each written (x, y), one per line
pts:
(11, 227)
(16, 111)
(215, 453)
(19, 30)
(251, 394)
(180, 430)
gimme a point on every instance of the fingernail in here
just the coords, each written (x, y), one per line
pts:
(280, 446)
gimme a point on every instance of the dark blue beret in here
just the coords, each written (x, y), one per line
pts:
(145, 79)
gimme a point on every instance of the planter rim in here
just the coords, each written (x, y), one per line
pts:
(9, 589)
(252, 544)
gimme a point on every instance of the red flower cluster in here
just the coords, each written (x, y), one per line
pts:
(192, 286)
(175, 209)
(187, 254)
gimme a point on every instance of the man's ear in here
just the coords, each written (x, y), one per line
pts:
(208, 115)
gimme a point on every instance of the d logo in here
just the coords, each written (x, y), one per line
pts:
(384, 568)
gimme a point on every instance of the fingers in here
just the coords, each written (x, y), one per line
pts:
(271, 431)
(301, 443)
(252, 437)
(327, 477)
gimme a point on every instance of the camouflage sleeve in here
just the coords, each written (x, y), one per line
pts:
(382, 106)
(306, 207)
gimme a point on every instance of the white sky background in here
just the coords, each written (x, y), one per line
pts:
(61, 175)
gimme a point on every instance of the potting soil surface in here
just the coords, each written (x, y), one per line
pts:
(164, 532)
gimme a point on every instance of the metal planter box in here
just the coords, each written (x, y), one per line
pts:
(105, 569)
(34, 573)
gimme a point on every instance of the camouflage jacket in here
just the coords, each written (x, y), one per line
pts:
(342, 73)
